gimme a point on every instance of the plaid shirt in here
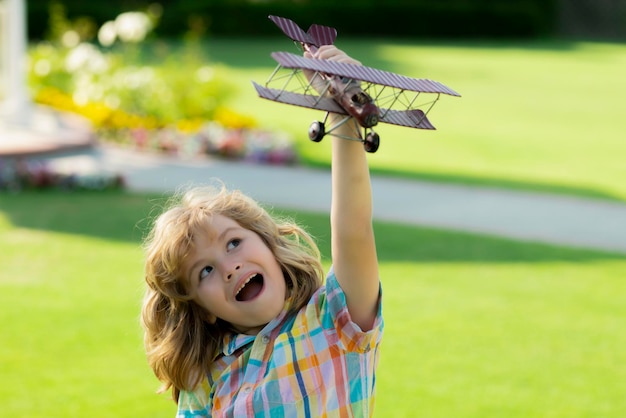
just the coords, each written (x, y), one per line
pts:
(317, 363)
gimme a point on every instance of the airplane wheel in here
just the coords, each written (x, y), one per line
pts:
(371, 142)
(317, 131)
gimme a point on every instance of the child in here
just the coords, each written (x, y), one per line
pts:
(237, 321)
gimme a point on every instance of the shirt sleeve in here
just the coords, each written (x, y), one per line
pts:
(194, 403)
(334, 312)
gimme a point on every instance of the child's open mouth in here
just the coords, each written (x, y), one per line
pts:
(250, 289)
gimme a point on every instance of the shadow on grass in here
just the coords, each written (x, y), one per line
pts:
(242, 52)
(247, 53)
(125, 217)
(112, 215)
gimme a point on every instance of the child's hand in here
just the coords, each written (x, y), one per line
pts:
(330, 53)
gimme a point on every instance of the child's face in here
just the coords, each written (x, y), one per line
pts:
(235, 276)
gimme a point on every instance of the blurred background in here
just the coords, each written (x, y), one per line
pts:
(541, 81)
(602, 19)
(479, 323)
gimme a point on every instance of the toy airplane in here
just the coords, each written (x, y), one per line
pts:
(366, 94)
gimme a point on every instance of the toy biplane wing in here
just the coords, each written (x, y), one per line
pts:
(366, 94)
(362, 73)
(304, 100)
(413, 118)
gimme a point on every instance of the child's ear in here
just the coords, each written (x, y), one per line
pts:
(210, 318)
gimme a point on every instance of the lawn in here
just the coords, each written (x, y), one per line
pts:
(476, 326)
(540, 115)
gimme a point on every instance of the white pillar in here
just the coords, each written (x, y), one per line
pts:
(15, 105)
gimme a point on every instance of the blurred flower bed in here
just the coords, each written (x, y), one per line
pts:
(143, 95)
(32, 174)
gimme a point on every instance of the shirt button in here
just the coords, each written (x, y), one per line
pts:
(265, 339)
(247, 389)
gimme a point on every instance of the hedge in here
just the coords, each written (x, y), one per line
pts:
(403, 18)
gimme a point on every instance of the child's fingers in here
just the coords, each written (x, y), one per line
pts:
(329, 53)
(332, 53)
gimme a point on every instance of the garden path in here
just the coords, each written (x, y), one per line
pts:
(564, 220)
(540, 217)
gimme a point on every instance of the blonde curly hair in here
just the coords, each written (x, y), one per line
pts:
(180, 343)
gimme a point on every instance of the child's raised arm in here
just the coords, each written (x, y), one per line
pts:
(353, 247)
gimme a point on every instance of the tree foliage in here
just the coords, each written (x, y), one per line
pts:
(411, 18)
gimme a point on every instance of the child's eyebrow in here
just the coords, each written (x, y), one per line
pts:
(225, 232)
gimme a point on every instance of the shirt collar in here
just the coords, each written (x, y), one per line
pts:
(233, 341)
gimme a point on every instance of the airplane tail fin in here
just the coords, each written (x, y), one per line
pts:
(316, 35)
(322, 35)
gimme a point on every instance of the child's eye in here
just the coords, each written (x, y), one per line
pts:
(206, 270)
(233, 243)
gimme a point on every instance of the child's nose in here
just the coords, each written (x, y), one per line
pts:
(233, 270)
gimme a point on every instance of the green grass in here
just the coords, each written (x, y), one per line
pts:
(535, 115)
(476, 326)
